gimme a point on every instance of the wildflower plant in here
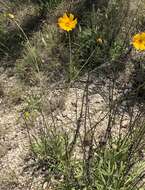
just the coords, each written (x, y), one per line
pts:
(67, 23)
(114, 163)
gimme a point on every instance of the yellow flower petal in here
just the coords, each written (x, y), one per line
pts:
(65, 16)
(71, 16)
(138, 41)
(66, 22)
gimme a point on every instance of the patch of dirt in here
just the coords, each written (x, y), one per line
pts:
(13, 140)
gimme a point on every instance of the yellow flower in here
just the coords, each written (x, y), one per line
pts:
(67, 22)
(26, 115)
(99, 40)
(138, 41)
(11, 16)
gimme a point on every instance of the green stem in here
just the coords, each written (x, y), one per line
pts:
(77, 74)
(86, 62)
(70, 56)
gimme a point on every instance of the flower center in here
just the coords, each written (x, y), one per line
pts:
(140, 41)
(68, 23)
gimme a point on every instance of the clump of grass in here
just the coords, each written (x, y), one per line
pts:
(27, 69)
(53, 160)
(37, 57)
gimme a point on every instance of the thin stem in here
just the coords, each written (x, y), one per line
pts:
(20, 28)
(77, 74)
(70, 56)
(83, 65)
